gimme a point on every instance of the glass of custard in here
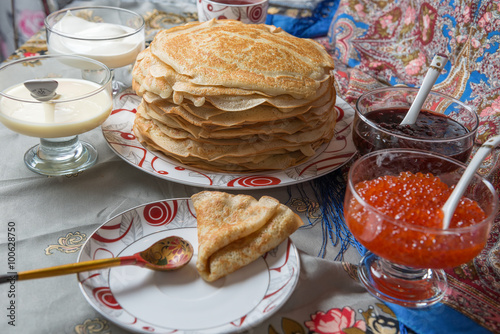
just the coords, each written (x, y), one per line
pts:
(444, 125)
(111, 35)
(56, 98)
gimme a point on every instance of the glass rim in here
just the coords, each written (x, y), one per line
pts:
(452, 230)
(415, 90)
(49, 26)
(107, 81)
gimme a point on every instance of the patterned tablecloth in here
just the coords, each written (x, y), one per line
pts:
(53, 217)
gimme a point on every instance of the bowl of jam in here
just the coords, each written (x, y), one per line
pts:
(444, 125)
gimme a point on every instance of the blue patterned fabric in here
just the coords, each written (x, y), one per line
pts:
(307, 27)
(438, 319)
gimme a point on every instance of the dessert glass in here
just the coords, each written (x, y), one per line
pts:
(111, 35)
(82, 103)
(405, 261)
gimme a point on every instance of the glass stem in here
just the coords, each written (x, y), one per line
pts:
(116, 85)
(60, 149)
(405, 286)
(402, 272)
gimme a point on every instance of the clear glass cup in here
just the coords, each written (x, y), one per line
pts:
(82, 103)
(369, 135)
(405, 261)
(111, 35)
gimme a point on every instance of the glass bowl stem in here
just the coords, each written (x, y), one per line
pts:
(60, 156)
(402, 285)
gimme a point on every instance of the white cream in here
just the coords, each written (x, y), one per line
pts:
(114, 52)
(56, 118)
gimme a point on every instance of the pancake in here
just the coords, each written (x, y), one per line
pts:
(253, 57)
(293, 130)
(235, 230)
(214, 150)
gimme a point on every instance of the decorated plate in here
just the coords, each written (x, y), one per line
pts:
(117, 130)
(145, 301)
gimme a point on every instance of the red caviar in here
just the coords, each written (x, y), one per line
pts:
(417, 199)
(413, 234)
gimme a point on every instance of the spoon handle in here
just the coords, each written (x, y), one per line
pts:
(430, 78)
(72, 268)
(452, 201)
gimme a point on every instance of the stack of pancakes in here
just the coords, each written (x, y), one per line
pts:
(226, 96)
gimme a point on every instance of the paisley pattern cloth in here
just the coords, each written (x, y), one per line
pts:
(379, 43)
(395, 41)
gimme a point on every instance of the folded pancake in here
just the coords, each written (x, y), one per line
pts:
(235, 230)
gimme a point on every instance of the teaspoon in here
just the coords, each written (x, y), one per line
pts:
(437, 65)
(452, 201)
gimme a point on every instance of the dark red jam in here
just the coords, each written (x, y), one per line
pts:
(429, 125)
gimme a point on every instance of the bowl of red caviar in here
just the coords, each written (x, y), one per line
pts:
(444, 125)
(393, 208)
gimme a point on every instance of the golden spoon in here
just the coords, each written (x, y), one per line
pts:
(166, 254)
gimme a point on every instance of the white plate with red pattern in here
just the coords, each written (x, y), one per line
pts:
(146, 301)
(117, 130)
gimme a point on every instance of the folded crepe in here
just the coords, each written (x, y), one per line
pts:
(235, 230)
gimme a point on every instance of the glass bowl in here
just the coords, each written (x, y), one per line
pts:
(378, 112)
(111, 35)
(406, 256)
(82, 102)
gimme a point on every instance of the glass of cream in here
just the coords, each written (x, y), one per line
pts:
(111, 35)
(79, 99)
